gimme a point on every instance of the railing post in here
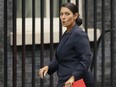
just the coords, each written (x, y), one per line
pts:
(33, 43)
(51, 38)
(14, 44)
(103, 43)
(95, 42)
(60, 25)
(68, 0)
(86, 15)
(77, 4)
(23, 43)
(112, 43)
(42, 40)
(5, 44)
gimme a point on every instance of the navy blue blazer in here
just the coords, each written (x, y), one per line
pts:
(73, 54)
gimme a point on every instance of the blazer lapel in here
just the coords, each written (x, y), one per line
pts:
(64, 39)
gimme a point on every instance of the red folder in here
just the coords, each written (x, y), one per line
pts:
(79, 83)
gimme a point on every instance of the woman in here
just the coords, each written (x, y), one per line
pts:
(73, 55)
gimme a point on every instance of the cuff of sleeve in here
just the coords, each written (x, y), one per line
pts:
(49, 70)
(76, 75)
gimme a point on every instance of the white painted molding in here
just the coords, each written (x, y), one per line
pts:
(28, 35)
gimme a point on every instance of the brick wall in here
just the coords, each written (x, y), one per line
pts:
(107, 37)
(28, 66)
(46, 54)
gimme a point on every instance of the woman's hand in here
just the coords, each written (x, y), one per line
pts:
(43, 71)
(69, 82)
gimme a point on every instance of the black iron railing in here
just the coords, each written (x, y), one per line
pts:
(42, 45)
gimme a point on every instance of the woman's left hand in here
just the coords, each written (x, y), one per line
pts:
(69, 82)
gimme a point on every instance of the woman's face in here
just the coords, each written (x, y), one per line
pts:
(67, 17)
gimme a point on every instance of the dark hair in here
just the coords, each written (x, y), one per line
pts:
(74, 9)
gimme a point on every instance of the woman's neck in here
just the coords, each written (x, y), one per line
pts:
(69, 28)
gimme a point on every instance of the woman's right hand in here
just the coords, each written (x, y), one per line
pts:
(43, 71)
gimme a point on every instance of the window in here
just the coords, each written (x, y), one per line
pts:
(28, 8)
(28, 21)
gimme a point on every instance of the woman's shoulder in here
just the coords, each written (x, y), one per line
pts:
(79, 31)
(79, 34)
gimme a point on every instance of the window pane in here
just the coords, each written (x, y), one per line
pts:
(56, 7)
(28, 9)
(19, 8)
(37, 8)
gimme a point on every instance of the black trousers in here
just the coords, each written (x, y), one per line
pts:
(88, 79)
